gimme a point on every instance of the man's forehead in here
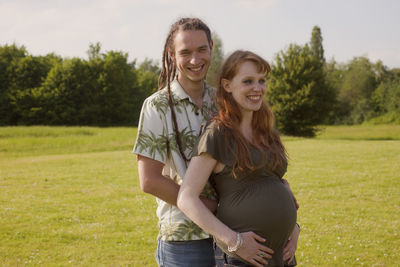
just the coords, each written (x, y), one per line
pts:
(190, 39)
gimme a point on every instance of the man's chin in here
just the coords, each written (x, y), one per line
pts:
(197, 78)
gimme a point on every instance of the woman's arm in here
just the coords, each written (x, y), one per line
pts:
(189, 202)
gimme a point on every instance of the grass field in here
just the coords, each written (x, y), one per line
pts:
(69, 196)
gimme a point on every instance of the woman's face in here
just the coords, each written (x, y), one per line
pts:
(248, 87)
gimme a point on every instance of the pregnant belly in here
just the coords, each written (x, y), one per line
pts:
(266, 208)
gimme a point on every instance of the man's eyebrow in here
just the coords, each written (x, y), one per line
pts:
(183, 51)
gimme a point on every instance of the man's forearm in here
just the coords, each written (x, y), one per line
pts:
(162, 188)
(153, 182)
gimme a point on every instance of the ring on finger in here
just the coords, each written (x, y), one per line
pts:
(261, 254)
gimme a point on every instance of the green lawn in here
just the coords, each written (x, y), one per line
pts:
(69, 196)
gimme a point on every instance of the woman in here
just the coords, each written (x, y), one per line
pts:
(242, 155)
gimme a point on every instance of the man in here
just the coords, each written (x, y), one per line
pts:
(170, 122)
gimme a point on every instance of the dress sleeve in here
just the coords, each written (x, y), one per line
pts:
(216, 142)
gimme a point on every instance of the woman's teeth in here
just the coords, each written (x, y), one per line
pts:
(255, 97)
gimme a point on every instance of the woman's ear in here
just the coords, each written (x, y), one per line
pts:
(226, 84)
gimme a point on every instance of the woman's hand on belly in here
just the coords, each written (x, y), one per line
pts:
(252, 251)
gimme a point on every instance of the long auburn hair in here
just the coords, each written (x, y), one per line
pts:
(265, 135)
(168, 70)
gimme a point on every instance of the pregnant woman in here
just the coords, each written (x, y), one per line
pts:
(241, 153)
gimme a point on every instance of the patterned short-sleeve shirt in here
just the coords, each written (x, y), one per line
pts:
(156, 140)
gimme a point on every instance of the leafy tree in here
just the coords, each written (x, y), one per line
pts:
(149, 65)
(66, 93)
(297, 91)
(9, 55)
(21, 74)
(94, 51)
(334, 76)
(386, 97)
(316, 45)
(147, 75)
(29, 73)
(118, 83)
(216, 60)
(359, 82)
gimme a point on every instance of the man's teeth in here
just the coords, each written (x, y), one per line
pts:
(196, 69)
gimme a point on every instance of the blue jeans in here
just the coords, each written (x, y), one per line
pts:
(194, 253)
(224, 260)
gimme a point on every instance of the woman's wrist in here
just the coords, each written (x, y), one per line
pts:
(237, 244)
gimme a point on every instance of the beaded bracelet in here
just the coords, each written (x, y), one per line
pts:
(237, 245)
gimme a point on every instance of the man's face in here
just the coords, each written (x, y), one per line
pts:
(192, 56)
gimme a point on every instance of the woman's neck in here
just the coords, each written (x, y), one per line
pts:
(246, 127)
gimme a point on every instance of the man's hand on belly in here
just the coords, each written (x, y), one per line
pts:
(286, 183)
(291, 245)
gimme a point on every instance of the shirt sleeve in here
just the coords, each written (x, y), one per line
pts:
(152, 136)
(216, 142)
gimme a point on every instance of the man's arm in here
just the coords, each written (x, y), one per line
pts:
(291, 245)
(153, 182)
(286, 183)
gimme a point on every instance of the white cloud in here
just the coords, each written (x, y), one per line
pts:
(139, 27)
(255, 3)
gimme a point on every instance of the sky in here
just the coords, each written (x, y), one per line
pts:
(350, 28)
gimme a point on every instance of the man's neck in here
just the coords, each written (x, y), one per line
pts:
(193, 89)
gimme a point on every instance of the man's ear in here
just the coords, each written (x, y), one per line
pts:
(171, 54)
(211, 46)
(226, 84)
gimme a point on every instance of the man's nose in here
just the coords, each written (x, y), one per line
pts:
(195, 59)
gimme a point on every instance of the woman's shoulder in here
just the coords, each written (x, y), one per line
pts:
(215, 141)
(215, 129)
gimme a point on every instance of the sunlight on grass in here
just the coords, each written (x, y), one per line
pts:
(70, 196)
(360, 132)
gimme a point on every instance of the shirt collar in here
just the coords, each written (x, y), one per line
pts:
(181, 95)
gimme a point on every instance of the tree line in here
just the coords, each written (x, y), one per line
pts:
(106, 89)
(306, 90)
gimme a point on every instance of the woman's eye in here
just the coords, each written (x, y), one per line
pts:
(247, 82)
(262, 81)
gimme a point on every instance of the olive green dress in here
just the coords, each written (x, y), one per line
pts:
(256, 200)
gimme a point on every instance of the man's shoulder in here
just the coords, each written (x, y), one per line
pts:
(159, 96)
(158, 101)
